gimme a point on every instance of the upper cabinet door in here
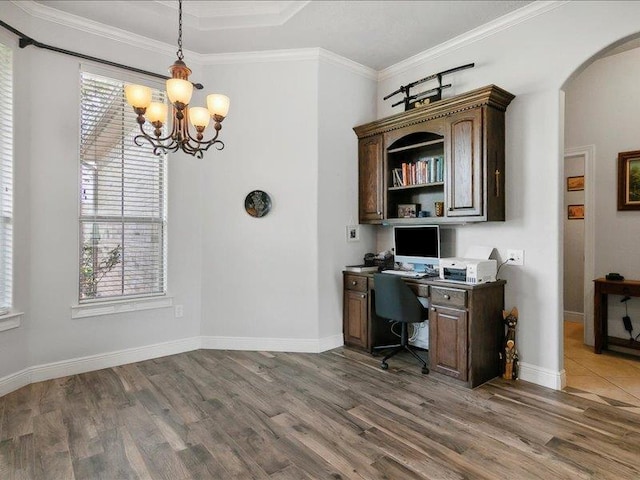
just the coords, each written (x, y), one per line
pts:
(370, 179)
(463, 154)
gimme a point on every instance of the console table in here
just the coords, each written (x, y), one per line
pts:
(466, 329)
(603, 288)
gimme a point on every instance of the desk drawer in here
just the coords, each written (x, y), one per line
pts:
(355, 282)
(452, 297)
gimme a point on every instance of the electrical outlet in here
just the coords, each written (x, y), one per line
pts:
(179, 311)
(515, 257)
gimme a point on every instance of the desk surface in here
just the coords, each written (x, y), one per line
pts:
(436, 281)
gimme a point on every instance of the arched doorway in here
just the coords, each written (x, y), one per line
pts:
(601, 101)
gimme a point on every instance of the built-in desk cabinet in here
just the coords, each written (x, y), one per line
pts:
(465, 133)
(466, 329)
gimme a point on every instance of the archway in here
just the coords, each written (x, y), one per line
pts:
(601, 100)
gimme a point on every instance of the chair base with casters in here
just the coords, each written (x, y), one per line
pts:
(396, 302)
(403, 345)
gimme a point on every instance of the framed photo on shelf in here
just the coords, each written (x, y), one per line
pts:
(575, 212)
(629, 180)
(408, 210)
(575, 184)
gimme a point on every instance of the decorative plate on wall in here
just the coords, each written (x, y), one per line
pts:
(257, 203)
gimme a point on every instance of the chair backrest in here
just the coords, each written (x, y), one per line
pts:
(394, 300)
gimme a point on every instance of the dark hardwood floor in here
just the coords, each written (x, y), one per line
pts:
(336, 415)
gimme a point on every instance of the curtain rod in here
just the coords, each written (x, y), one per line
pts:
(25, 41)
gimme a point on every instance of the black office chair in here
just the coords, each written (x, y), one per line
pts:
(395, 301)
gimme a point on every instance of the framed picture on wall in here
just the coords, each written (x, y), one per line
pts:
(575, 184)
(575, 212)
(629, 180)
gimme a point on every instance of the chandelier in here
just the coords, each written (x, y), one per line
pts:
(179, 91)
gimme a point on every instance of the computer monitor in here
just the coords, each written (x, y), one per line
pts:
(419, 244)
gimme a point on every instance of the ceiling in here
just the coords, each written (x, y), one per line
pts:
(376, 34)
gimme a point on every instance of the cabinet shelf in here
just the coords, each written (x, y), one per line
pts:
(416, 145)
(417, 185)
(454, 145)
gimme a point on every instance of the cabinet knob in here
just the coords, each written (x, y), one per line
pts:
(354, 282)
(362, 296)
(379, 212)
(447, 297)
(433, 309)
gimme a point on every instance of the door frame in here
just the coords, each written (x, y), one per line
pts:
(588, 152)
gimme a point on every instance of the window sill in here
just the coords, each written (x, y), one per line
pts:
(10, 320)
(119, 306)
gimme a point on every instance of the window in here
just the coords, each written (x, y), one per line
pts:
(6, 178)
(122, 198)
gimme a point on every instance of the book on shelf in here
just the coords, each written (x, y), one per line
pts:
(361, 268)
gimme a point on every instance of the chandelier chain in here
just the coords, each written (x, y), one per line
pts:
(179, 52)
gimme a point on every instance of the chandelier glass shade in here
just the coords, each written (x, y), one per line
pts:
(179, 91)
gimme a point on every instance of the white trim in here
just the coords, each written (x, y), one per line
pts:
(542, 376)
(340, 61)
(589, 154)
(491, 28)
(65, 19)
(301, 345)
(574, 317)
(95, 309)
(10, 320)
(91, 363)
(13, 382)
(329, 343)
(289, 55)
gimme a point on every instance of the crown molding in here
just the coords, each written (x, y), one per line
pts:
(205, 15)
(64, 19)
(291, 55)
(491, 28)
(343, 62)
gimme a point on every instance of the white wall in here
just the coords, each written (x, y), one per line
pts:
(275, 281)
(260, 275)
(46, 211)
(346, 99)
(531, 60)
(601, 109)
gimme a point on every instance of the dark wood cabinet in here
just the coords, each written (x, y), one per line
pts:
(356, 310)
(465, 185)
(466, 330)
(464, 133)
(355, 318)
(465, 324)
(370, 179)
(448, 351)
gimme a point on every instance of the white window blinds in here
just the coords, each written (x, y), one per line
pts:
(122, 198)
(6, 177)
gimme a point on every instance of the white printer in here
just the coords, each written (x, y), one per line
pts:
(468, 270)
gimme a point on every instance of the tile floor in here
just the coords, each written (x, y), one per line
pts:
(611, 377)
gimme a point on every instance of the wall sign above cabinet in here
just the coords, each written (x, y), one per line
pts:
(450, 152)
(428, 96)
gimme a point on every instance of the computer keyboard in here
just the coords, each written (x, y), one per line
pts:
(406, 273)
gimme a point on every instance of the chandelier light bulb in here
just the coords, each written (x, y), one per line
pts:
(178, 135)
(179, 91)
(156, 112)
(199, 116)
(138, 96)
(218, 104)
